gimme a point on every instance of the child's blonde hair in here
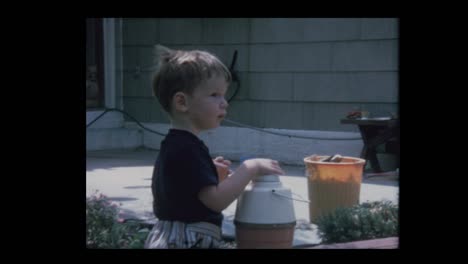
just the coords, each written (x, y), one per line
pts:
(181, 70)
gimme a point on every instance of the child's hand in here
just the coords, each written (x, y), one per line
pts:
(222, 167)
(264, 166)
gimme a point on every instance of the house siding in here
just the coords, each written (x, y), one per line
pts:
(296, 73)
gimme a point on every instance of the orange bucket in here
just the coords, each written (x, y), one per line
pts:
(332, 184)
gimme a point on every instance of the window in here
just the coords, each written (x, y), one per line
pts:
(94, 63)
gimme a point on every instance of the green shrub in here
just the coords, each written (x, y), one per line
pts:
(361, 222)
(105, 230)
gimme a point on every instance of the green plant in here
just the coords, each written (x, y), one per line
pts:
(105, 230)
(361, 222)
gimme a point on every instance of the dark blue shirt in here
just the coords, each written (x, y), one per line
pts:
(183, 167)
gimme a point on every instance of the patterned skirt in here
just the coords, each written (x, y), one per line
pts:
(175, 234)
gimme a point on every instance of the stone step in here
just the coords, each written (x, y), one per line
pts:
(113, 138)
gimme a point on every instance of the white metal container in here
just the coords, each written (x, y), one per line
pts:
(265, 215)
(265, 201)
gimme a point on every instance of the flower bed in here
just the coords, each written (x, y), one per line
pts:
(362, 222)
(104, 229)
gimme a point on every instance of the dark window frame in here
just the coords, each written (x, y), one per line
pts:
(96, 25)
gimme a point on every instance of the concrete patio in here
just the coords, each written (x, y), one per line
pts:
(125, 177)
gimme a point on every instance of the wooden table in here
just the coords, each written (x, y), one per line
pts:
(375, 131)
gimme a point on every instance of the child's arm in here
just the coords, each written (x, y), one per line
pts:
(218, 198)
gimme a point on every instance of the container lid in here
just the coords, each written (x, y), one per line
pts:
(267, 178)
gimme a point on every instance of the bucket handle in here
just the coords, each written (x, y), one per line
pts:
(299, 200)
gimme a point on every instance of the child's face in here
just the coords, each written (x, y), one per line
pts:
(207, 105)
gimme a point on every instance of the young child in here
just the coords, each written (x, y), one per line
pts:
(190, 190)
